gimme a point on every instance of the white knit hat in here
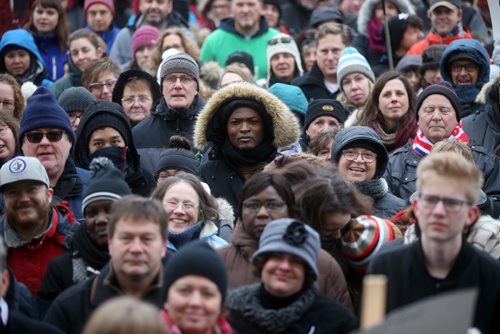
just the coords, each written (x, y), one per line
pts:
(351, 61)
(282, 43)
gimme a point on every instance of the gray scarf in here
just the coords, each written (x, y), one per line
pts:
(376, 188)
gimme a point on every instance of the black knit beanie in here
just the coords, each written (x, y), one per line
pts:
(105, 183)
(444, 89)
(325, 107)
(241, 57)
(76, 99)
(197, 258)
(180, 159)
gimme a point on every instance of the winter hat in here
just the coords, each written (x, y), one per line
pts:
(363, 238)
(463, 56)
(276, 4)
(43, 111)
(291, 95)
(107, 3)
(351, 61)
(451, 4)
(106, 182)
(199, 259)
(409, 63)
(397, 28)
(241, 57)
(444, 89)
(282, 43)
(325, 107)
(361, 136)
(183, 63)
(180, 159)
(325, 14)
(290, 236)
(144, 36)
(76, 99)
(124, 78)
(23, 169)
(431, 57)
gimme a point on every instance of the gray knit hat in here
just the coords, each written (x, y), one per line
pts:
(351, 61)
(290, 236)
(182, 63)
(76, 99)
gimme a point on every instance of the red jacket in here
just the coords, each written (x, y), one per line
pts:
(433, 39)
(30, 261)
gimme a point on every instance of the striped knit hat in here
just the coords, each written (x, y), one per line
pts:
(364, 237)
(351, 61)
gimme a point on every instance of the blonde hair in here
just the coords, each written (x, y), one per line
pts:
(190, 47)
(126, 315)
(454, 166)
(454, 146)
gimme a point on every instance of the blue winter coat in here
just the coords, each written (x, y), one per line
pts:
(54, 57)
(467, 93)
(108, 36)
(22, 38)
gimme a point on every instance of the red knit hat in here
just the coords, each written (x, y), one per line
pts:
(107, 3)
(144, 36)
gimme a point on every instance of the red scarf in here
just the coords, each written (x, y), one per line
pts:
(221, 326)
(422, 146)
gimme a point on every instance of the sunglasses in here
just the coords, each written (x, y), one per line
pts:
(282, 39)
(52, 136)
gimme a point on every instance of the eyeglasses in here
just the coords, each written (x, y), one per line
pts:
(98, 86)
(141, 99)
(172, 79)
(282, 39)
(74, 117)
(450, 204)
(52, 136)
(3, 129)
(7, 104)
(365, 156)
(186, 206)
(469, 67)
(270, 206)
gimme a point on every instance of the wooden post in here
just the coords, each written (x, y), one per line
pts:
(373, 302)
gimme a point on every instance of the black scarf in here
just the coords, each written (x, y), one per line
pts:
(88, 250)
(264, 152)
(248, 301)
(188, 235)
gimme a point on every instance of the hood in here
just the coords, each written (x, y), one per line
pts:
(226, 211)
(368, 8)
(365, 136)
(285, 125)
(80, 149)
(22, 38)
(124, 78)
(487, 95)
(473, 47)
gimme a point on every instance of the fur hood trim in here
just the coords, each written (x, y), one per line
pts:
(225, 210)
(482, 97)
(285, 125)
(368, 9)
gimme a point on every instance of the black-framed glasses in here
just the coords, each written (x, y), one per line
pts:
(52, 136)
(270, 206)
(98, 86)
(281, 39)
(450, 204)
(353, 155)
(74, 117)
(469, 67)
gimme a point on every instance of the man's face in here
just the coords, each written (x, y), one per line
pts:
(246, 14)
(52, 154)
(105, 137)
(283, 66)
(437, 118)
(27, 204)
(444, 19)
(245, 129)
(97, 216)
(179, 90)
(155, 11)
(440, 222)
(99, 17)
(464, 72)
(327, 55)
(136, 249)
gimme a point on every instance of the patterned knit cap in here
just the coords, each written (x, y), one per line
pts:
(351, 61)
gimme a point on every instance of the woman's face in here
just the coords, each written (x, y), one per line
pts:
(194, 303)
(390, 10)
(8, 100)
(271, 13)
(333, 224)
(104, 85)
(356, 87)
(142, 56)
(182, 204)
(17, 61)
(172, 41)
(7, 142)
(45, 19)
(137, 101)
(283, 274)
(83, 52)
(309, 56)
(393, 102)
(353, 165)
(262, 208)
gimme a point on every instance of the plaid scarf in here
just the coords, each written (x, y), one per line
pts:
(422, 146)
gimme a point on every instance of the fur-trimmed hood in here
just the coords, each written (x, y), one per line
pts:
(368, 8)
(484, 95)
(286, 128)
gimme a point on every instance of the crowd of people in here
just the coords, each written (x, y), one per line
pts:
(239, 166)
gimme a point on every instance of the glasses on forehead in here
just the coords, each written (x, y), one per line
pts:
(281, 39)
(52, 136)
(98, 86)
(450, 204)
(141, 99)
